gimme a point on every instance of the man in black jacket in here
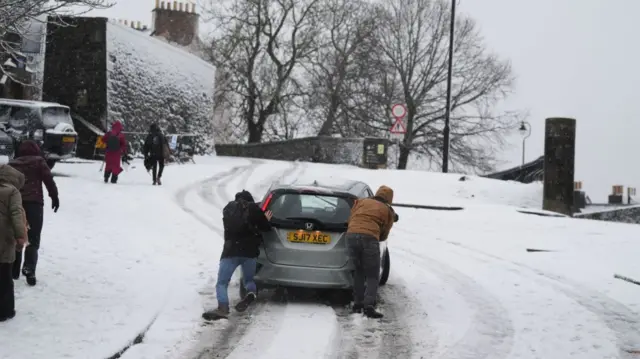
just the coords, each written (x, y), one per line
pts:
(243, 221)
(154, 152)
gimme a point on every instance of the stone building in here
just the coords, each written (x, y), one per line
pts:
(109, 70)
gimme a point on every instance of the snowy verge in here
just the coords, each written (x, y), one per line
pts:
(111, 259)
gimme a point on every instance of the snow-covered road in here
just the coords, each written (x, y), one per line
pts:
(462, 284)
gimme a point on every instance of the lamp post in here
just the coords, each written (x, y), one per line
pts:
(525, 132)
(447, 114)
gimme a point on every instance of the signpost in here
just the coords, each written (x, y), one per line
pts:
(398, 129)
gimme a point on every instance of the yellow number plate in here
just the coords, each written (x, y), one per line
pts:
(309, 237)
(68, 139)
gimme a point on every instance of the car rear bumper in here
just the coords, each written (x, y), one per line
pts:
(270, 274)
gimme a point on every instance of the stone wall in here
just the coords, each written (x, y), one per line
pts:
(623, 215)
(309, 149)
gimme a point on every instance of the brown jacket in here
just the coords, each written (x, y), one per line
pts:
(12, 217)
(373, 216)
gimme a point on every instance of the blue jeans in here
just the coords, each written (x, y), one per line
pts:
(225, 271)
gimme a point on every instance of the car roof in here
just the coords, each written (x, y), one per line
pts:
(340, 187)
(27, 103)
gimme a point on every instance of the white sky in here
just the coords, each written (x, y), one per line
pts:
(574, 58)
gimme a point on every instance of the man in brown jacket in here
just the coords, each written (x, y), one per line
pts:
(370, 222)
(13, 234)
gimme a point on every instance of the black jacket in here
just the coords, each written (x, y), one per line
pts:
(154, 143)
(247, 243)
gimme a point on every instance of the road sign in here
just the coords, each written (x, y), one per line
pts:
(398, 127)
(398, 111)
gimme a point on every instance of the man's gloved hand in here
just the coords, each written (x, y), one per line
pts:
(55, 204)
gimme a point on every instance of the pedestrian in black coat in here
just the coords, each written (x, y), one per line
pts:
(155, 150)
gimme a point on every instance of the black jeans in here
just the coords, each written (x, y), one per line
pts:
(157, 165)
(107, 175)
(364, 252)
(7, 299)
(35, 212)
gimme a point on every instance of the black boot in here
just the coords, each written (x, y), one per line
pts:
(31, 276)
(245, 302)
(357, 308)
(371, 312)
(106, 176)
(114, 179)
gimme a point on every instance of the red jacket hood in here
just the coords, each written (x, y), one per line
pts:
(29, 148)
(116, 128)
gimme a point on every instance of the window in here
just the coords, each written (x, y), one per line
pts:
(5, 113)
(82, 98)
(325, 208)
(23, 117)
(52, 116)
(97, 36)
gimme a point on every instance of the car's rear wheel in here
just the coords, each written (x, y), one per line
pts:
(385, 267)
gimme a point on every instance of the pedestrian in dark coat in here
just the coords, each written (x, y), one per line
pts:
(370, 222)
(13, 235)
(36, 172)
(116, 149)
(243, 221)
(155, 153)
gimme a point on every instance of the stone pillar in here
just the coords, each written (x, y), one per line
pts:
(559, 164)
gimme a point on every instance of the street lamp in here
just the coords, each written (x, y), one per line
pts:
(447, 113)
(525, 132)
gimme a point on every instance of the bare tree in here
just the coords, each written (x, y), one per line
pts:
(414, 38)
(259, 44)
(342, 61)
(16, 17)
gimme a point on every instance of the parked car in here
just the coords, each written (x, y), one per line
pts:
(6, 143)
(306, 247)
(49, 124)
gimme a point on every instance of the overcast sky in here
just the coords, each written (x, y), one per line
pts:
(574, 58)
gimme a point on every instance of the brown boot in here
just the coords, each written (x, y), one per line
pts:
(222, 312)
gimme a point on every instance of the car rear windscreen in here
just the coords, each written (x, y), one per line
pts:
(324, 208)
(52, 116)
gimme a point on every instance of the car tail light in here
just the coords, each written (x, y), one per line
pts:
(266, 202)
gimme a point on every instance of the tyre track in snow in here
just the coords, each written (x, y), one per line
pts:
(389, 337)
(227, 338)
(620, 319)
(491, 333)
(180, 196)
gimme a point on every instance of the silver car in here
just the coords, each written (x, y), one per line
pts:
(306, 247)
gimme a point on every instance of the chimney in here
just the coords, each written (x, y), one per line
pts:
(176, 22)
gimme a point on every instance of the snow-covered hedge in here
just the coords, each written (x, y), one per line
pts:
(150, 81)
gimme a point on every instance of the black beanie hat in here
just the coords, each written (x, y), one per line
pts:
(244, 195)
